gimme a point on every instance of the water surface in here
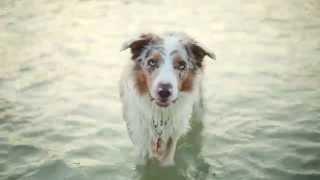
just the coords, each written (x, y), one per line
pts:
(60, 115)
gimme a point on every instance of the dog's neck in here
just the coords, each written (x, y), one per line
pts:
(175, 115)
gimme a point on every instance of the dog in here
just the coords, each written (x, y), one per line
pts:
(160, 90)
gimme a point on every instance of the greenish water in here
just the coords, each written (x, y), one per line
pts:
(60, 116)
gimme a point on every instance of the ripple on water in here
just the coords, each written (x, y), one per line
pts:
(23, 159)
(53, 170)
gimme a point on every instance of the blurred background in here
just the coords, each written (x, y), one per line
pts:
(60, 114)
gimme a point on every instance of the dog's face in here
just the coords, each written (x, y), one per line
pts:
(165, 66)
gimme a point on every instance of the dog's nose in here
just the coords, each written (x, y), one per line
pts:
(164, 90)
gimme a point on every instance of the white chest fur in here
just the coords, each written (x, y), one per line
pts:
(146, 122)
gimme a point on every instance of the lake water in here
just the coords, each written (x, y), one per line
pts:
(60, 114)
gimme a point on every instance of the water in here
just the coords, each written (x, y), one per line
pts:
(60, 115)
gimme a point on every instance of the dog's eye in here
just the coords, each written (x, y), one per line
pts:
(181, 65)
(152, 63)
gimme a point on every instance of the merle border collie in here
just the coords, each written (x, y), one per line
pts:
(160, 90)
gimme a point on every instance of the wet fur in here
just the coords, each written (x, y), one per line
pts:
(139, 110)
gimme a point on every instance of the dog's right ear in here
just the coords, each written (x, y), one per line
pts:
(137, 44)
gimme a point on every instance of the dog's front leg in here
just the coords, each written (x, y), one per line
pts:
(141, 157)
(168, 159)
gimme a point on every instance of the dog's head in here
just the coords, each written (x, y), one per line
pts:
(166, 65)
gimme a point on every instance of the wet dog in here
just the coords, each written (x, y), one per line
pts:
(160, 90)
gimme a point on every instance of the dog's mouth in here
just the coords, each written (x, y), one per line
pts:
(162, 102)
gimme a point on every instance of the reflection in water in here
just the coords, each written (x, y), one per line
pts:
(190, 163)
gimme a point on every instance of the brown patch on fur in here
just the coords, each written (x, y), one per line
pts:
(141, 82)
(187, 83)
(156, 56)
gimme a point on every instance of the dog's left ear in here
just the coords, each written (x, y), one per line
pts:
(138, 43)
(198, 52)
